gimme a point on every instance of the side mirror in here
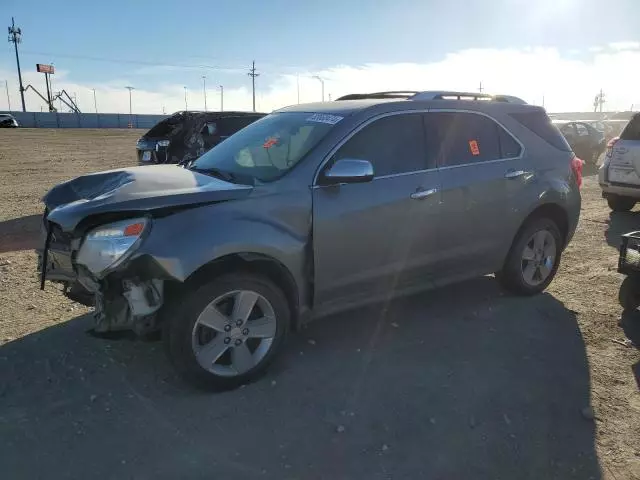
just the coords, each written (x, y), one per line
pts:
(349, 170)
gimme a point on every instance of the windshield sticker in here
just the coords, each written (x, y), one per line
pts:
(324, 118)
(473, 146)
(270, 142)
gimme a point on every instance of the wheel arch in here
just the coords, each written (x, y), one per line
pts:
(256, 263)
(552, 211)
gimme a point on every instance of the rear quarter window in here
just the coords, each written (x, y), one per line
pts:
(540, 124)
(632, 130)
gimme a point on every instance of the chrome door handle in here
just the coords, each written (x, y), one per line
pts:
(422, 194)
(514, 173)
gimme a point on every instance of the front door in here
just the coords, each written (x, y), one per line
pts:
(374, 240)
(481, 172)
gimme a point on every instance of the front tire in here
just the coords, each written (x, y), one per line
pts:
(533, 259)
(620, 204)
(225, 333)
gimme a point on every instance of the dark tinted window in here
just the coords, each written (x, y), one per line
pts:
(509, 148)
(539, 123)
(632, 130)
(461, 138)
(393, 144)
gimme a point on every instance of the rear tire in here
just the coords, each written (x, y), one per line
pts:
(230, 345)
(621, 204)
(533, 259)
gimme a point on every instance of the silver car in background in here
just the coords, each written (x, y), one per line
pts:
(619, 175)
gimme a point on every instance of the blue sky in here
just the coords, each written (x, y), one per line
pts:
(161, 45)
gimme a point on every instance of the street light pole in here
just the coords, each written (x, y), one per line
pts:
(322, 82)
(186, 107)
(221, 98)
(95, 103)
(130, 109)
(204, 90)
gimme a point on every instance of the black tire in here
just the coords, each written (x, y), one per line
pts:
(511, 277)
(621, 204)
(180, 322)
(629, 293)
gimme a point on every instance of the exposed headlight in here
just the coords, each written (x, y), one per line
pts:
(163, 143)
(108, 245)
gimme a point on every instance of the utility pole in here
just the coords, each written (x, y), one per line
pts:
(598, 101)
(130, 109)
(252, 73)
(329, 97)
(186, 107)
(480, 89)
(322, 82)
(6, 86)
(15, 36)
(204, 90)
(95, 103)
(221, 98)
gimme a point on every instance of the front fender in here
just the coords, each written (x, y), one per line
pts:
(182, 243)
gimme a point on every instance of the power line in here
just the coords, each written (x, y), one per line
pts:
(221, 68)
(252, 73)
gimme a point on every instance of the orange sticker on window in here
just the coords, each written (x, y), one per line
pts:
(270, 142)
(473, 146)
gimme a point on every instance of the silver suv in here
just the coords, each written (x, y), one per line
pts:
(619, 175)
(311, 210)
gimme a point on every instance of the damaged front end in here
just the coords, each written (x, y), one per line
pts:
(95, 237)
(95, 269)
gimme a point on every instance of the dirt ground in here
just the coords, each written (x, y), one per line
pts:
(549, 385)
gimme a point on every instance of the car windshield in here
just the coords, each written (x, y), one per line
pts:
(268, 148)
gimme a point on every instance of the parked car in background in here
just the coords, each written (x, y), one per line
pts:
(585, 140)
(8, 121)
(186, 135)
(619, 175)
(315, 209)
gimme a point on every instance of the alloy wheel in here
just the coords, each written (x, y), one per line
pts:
(538, 257)
(234, 333)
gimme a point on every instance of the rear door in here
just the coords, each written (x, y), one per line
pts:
(624, 165)
(481, 171)
(373, 240)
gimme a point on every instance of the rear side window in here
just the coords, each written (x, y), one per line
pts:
(393, 144)
(540, 124)
(632, 130)
(464, 138)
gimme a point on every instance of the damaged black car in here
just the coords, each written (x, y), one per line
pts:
(185, 136)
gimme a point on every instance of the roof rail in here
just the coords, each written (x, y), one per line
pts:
(434, 95)
(445, 95)
(393, 94)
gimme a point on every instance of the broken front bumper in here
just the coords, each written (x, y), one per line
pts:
(123, 300)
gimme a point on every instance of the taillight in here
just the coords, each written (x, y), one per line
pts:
(610, 146)
(576, 167)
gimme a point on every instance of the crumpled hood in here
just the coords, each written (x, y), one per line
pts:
(135, 189)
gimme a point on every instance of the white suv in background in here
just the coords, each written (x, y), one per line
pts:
(619, 175)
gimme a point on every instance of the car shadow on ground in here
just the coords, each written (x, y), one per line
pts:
(630, 323)
(20, 233)
(619, 224)
(463, 382)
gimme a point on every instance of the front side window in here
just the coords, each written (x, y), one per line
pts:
(463, 138)
(268, 148)
(393, 144)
